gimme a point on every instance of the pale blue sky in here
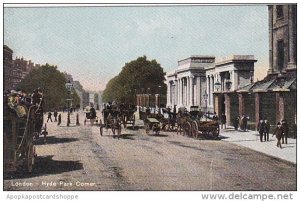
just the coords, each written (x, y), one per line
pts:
(94, 43)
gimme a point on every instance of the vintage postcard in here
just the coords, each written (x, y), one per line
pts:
(150, 97)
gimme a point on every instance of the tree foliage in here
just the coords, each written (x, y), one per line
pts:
(52, 82)
(137, 76)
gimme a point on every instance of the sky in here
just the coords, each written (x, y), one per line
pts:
(94, 43)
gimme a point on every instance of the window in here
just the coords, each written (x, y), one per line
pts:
(279, 12)
(280, 54)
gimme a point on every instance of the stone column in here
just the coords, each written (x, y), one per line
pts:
(257, 108)
(227, 108)
(157, 100)
(241, 104)
(176, 93)
(279, 106)
(169, 93)
(291, 62)
(180, 91)
(270, 70)
(198, 91)
(191, 91)
(218, 103)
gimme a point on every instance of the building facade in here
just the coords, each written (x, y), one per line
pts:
(11, 72)
(196, 79)
(275, 97)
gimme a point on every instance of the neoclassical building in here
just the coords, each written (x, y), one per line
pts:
(196, 78)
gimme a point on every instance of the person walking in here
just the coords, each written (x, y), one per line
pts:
(49, 117)
(223, 120)
(59, 120)
(278, 133)
(245, 122)
(261, 126)
(285, 130)
(55, 115)
(236, 123)
(267, 130)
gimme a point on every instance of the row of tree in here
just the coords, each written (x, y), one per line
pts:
(52, 82)
(137, 77)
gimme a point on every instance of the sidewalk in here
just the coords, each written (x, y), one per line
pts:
(250, 139)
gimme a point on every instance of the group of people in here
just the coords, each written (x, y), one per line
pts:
(55, 114)
(263, 127)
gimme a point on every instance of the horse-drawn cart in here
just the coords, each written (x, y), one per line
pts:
(206, 128)
(112, 120)
(152, 124)
(90, 115)
(22, 124)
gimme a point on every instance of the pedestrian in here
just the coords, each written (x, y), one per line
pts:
(261, 126)
(223, 120)
(278, 133)
(55, 115)
(59, 119)
(245, 122)
(267, 129)
(285, 131)
(236, 123)
(49, 117)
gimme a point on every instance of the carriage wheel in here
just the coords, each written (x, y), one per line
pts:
(30, 157)
(195, 129)
(216, 132)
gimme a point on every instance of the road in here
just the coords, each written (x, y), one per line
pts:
(78, 158)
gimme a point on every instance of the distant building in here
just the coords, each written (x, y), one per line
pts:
(193, 82)
(12, 74)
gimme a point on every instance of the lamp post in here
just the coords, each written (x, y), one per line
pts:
(205, 96)
(149, 95)
(69, 88)
(159, 98)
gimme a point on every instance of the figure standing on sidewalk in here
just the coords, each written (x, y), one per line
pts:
(223, 120)
(59, 119)
(285, 131)
(261, 126)
(278, 132)
(267, 129)
(55, 115)
(49, 117)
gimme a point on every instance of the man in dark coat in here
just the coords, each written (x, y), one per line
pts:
(278, 132)
(285, 131)
(55, 115)
(223, 120)
(49, 117)
(261, 126)
(267, 130)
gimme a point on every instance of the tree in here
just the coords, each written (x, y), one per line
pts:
(52, 82)
(137, 76)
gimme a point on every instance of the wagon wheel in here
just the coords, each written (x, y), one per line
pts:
(30, 157)
(187, 129)
(216, 132)
(195, 129)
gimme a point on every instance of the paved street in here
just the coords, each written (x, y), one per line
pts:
(78, 158)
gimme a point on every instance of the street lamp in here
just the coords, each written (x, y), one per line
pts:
(159, 99)
(205, 97)
(69, 88)
(217, 85)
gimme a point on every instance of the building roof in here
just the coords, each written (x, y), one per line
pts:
(267, 85)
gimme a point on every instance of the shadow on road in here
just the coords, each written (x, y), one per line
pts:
(45, 166)
(158, 135)
(54, 140)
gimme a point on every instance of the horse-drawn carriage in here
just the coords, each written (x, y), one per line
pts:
(112, 120)
(192, 125)
(152, 120)
(90, 115)
(22, 124)
(127, 115)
